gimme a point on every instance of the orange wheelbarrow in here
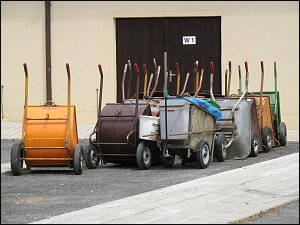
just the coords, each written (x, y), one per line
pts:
(49, 136)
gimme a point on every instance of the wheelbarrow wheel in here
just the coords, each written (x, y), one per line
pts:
(16, 164)
(202, 154)
(282, 134)
(144, 155)
(219, 148)
(77, 159)
(168, 162)
(91, 156)
(267, 138)
(254, 145)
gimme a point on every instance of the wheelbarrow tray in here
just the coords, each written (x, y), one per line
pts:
(275, 108)
(117, 122)
(45, 134)
(245, 120)
(265, 119)
(187, 125)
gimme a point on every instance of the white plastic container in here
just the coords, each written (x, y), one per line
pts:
(149, 128)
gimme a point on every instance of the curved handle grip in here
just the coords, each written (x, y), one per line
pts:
(196, 66)
(136, 68)
(177, 67)
(100, 69)
(129, 64)
(212, 67)
(246, 66)
(262, 66)
(68, 69)
(25, 69)
(145, 68)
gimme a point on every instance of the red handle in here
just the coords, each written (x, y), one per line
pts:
(212, 67)
(177, 67)
(262, 66)
(100, 69)
(68, 68)
(229, 65)
(25, 69)
(145, 68)
(246, 66)
(196, 66)
(136, 68)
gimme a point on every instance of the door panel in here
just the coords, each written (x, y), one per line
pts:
(138, 40)
(207, 49)
(141, 40)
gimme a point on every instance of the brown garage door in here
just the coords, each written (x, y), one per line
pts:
(186, 40)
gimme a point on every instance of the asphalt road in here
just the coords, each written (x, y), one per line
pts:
(44, 192)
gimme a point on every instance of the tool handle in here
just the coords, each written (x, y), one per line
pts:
(100, 69)
(177, 67)
(136, 68)
(145, 68)
(25, 69)
(229, 65)
(68, 69)
(211, 67)
(246, 66)
(196, 66)
(262, 66)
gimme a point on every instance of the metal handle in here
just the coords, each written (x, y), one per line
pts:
(145, 79)
(212, 69)
(197, 76)
(178, 78)
(229, 78)
(129, 79)
(100, 91)
(211, 80)
(123, 82)
(184, 86)
(69, 106)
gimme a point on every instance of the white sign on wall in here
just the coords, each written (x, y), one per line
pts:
(189, 40)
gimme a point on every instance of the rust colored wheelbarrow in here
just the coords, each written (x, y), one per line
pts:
(49, 136)
(264, 115)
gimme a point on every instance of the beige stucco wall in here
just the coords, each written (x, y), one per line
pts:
(83, 35)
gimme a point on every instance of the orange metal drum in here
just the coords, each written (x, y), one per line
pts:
(45, 133)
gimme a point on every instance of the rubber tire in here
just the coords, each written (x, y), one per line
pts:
(16, 165)
(144, 155)
(266, 138)
(183, 162)
(77, 159)
(220, 143)
(202, 156)
(91, 156)
(282, 134)
(168, 161)
(254, 145)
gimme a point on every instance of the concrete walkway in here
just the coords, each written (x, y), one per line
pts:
(13, 130)
(220, 198)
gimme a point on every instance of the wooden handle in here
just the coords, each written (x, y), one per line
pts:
(68, 69)
(136, 68)
(262, 66)
(246, 66)
(211, 67)
(100, 69)
(25, 69)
